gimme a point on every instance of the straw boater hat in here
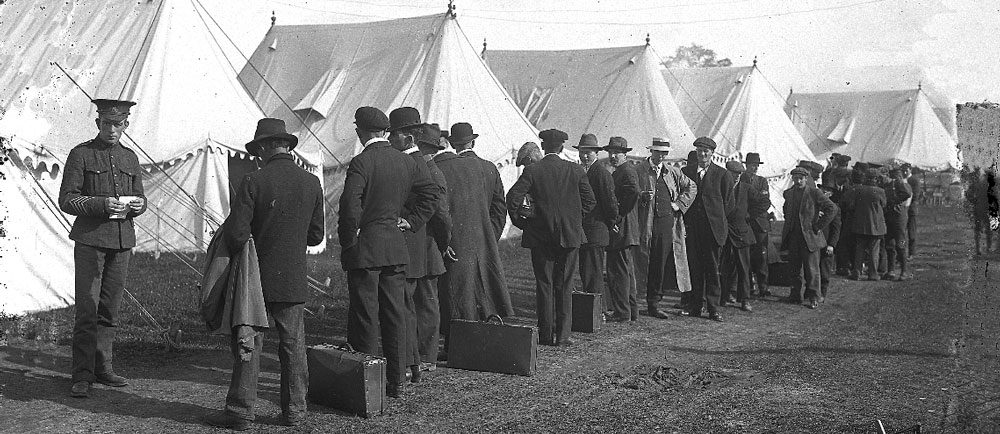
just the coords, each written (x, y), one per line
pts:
(267, 129)
(659, 144)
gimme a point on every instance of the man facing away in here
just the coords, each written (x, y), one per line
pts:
(563, 197)
(98, 176)
(281, 207)
(373, 219)
(598, 224)
(898, 199)
(624, 236)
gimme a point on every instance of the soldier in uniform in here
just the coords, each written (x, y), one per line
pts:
(760, 223)
(99, 175)
(598, 224)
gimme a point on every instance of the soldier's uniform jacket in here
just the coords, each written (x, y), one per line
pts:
(94, 171)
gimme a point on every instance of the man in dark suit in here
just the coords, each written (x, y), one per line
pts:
(708, 229)
(473, 288)
(760, 224)
(562, 197)
(736, 252)
(806, 211)
(917, 187)
(867, 202)
(281, 207)
(597, 224)
(624, 236)
(373, 219)
(827, 260)
(898, 197)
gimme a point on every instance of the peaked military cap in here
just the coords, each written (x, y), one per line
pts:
(800, 171)
(112, 108)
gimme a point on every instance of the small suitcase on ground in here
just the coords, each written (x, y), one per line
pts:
(587, 312)
(344, 379)
(492, 346)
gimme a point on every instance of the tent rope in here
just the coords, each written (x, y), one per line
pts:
(809, 127)
(135, 62)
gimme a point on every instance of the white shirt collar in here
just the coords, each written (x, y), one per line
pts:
(411, 150)
(375, 140)
(464, 151)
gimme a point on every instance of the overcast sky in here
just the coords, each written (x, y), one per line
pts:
(810, 45)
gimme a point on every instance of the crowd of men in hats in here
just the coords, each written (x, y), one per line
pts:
(419, 226)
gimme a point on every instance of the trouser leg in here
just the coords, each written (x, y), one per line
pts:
(640, 261)
(811, 271)
(243, 383)
(410, 332)
(564, 268)
(543, 267)
(99, 286)
(363, 311)
(289, 320)
(911, 233)
(743, 276)
(826, 265)
(392, 314)
(621, 277)
(758, 260)
(592, 268)
(428, 317)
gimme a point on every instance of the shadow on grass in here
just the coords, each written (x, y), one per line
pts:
(815, 349)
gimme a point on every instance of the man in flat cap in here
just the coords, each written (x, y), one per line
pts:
(473, 288)
(404, 129)
(866, 203)
(373, 219)
(563, 197)
(807, 211)
(102, 187)
(708, 229)
(666, 196)
(598, 224)
(623, 241)
(736, 252)
(281, 207)
(760, 223)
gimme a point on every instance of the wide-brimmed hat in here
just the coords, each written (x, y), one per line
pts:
(461, 133)
(270, 128)
(705, 142)
(753, 158)
(431, 136)
(617, 145)
(659, 144)
(588, 141)
(404, 117)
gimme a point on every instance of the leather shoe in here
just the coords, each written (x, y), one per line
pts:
(812, 304)
(225, 419)
(904, 277)
(689, 313)
(112, 379)
(715, 317)
(80, 389)
(746, 307)
(616, 318)
(394, 390)
(565, 342)
(290, 420)
(855, 276)
(874, 278)
(888, 276)
(654, 312)
(428, 366)
(731, 300)
(415, 374)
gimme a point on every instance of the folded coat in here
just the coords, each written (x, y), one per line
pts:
(232, 299)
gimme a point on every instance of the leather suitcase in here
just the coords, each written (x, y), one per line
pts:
(347, 380)
(492, 346)
(587, 314)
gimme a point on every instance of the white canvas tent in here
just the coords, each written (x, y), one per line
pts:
(738, 108)
(321, 74)
(878, 127)
(605, 91)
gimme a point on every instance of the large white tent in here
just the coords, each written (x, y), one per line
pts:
(605, 91)
(738, 108)
(316, 76)
(878, 127)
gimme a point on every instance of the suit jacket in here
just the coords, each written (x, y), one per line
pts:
(416, 240)
(832, 231)
(627, 194)
(281, 206)
(760, 221)
(746, 201)
(439, 225)
(815, 212)
(917, 188)
(597, 224)
(868, 205)
(562, 196)
(714, 199)
(680, 189)
(897, 197)
(378, 182)
(492, 189)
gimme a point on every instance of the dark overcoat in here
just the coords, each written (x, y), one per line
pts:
(562, 197)
(281, 206)
(746, 201)
(627, 194)
(715, 196)
(597, 224)
(760, 222)
(439, 226)
(815, 213)
(868, 205)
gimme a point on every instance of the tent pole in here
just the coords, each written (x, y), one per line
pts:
(159, 205)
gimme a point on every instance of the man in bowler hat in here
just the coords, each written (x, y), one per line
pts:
(563, 197)
(374, 217)
(97, 174)
(281, 207)
(708, 229)
(598, 224)
(760, 223)
(624, 236)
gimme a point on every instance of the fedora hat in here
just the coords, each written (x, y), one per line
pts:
(588, 141)
(461, 133)
(404, 117)
(431, 136)
(270, 128)
(617, 145)
(753, 158)
(659, 144)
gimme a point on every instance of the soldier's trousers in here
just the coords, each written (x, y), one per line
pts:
(288, 319)
(378, 309)
(554, 269)
(622, 284)
(425, 300)
(758, 260)
(592, 270)
(735, 272)
(100, 283)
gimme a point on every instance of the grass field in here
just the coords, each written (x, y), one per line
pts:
(919, 352)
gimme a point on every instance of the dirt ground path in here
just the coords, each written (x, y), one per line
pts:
(918, 352)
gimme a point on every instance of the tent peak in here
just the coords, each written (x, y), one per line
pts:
(451, 9)
(273, 18)
(483, 54)
(647, 39)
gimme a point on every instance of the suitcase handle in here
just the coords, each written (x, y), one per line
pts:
(490, 319)
(346, 346)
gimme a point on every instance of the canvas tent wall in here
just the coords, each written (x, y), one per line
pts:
(605, 91)
(879, 127)
(738, 108)
(316, 76)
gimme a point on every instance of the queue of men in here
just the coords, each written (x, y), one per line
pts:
(419, 226)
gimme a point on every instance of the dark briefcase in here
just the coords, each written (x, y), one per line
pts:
(587, 312)
(342, 378)
(492, 346)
